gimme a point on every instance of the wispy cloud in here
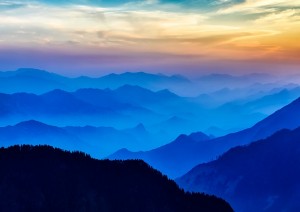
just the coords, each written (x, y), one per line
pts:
(259, 6)
(285, 17)
(156, 27)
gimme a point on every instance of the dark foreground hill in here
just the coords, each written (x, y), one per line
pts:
(262, 176)
(46, 179)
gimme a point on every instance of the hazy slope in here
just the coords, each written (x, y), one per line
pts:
(206, 151)
(263, 176)
(165, 158)
(35, 133)
(97, 141)
(39, 81)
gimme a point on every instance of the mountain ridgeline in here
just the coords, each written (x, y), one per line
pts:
(124, 107)
(169, 104)
(191, 153)
(135, 116)
(171, 158)
(262, 176)
(96, 141)
(40, 81)
(43, 178)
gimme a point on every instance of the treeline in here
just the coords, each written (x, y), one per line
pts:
(43, 178)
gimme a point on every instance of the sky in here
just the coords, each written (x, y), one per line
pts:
(94, 37)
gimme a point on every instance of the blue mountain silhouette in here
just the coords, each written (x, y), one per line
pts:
(39, 81)
(262, 176)
(188, 157)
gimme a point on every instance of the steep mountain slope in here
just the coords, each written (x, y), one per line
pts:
(166, 158)
(205, 151)
(263, 176)
(46, 179)
(273, 102)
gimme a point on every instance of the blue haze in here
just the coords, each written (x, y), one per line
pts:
(137, 111)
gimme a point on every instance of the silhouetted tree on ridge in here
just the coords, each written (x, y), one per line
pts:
(43, 178)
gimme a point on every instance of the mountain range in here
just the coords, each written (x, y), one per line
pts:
(123, 107)
(35, 133)
(158, 111)
(127, 99)
(191, 153)
(39, 81)
(261, 176)
(135, 116)
(97, 141)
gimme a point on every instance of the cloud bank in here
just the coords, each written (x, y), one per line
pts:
(222, 30)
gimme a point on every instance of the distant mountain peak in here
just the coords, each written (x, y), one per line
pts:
(138, 130)
(140, 127)
(33, 72)
(123, 151)
(31, 123)
(183, 138)
(166, 92)
(130, 74)
(199, 136)
(57, 92)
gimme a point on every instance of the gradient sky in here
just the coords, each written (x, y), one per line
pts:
(93, 37)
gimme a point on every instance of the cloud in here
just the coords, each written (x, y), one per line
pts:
(60, 23)
(287, 17)
(259, 6)
(153, 27)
